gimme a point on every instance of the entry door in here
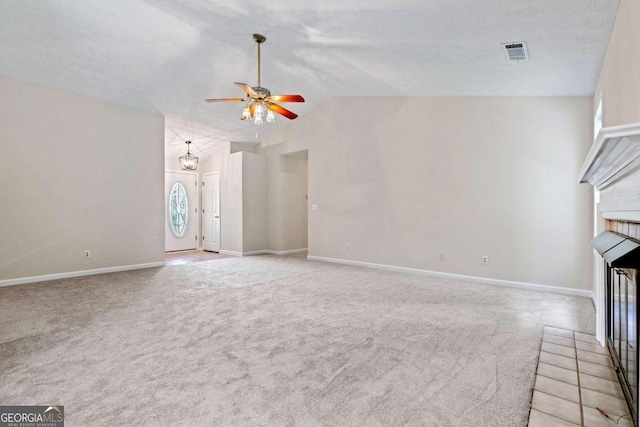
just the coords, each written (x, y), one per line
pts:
(211, 211)
(181, 211)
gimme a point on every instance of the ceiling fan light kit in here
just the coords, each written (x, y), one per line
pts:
(260, 104)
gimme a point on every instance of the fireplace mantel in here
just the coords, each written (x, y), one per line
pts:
(615, 152)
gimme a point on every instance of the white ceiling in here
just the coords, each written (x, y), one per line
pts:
(167, 56)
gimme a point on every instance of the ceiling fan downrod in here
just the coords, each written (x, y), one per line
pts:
(259, 38)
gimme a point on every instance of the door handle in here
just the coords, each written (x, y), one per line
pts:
(216, 216)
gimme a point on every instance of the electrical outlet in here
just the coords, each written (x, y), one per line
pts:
(443, 256)
(87, 254)
(346, 247)
(485, 259)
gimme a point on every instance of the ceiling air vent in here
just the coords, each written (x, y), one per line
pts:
(516, 51)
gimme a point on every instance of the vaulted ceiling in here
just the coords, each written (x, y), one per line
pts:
(167, 56)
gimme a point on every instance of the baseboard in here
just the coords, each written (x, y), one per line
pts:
(264, 251)
(249, 253)
(289, 252)
(483, 280)
(232, 253)
(47, 277)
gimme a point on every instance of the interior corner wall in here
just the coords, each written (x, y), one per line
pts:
(77, 174)
(467, 176)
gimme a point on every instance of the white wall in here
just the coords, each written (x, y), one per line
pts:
(287, 210)
(242, 198)
(231, 217)
(619, 80)
(402, 179)
(619, 85)
(254, 202)
(77, 174)
(171, 162)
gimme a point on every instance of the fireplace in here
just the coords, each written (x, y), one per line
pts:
(612, 167)
(621, 255)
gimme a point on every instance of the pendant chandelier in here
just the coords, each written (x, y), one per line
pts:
(188, 162)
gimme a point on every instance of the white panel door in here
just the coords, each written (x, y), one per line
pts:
(211, 211)
(181, 211)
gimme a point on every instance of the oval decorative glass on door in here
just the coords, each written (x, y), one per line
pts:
(178, 209)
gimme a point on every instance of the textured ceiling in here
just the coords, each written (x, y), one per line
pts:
(167, 56)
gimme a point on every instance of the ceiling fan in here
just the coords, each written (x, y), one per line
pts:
(259, 99)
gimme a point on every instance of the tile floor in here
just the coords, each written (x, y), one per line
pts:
(187, 257)
(575, 377)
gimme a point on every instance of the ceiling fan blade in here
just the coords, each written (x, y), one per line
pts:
(286, 98)
(225, 100)
(282, 111)
(247, 89)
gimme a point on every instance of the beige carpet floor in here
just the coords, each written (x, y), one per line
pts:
(280, 341)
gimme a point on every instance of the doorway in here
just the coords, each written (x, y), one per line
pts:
(294, 179)
(181, 211)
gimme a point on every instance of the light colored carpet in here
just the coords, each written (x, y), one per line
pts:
(276, 341)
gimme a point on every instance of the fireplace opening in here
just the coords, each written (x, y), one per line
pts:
(621, 254)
